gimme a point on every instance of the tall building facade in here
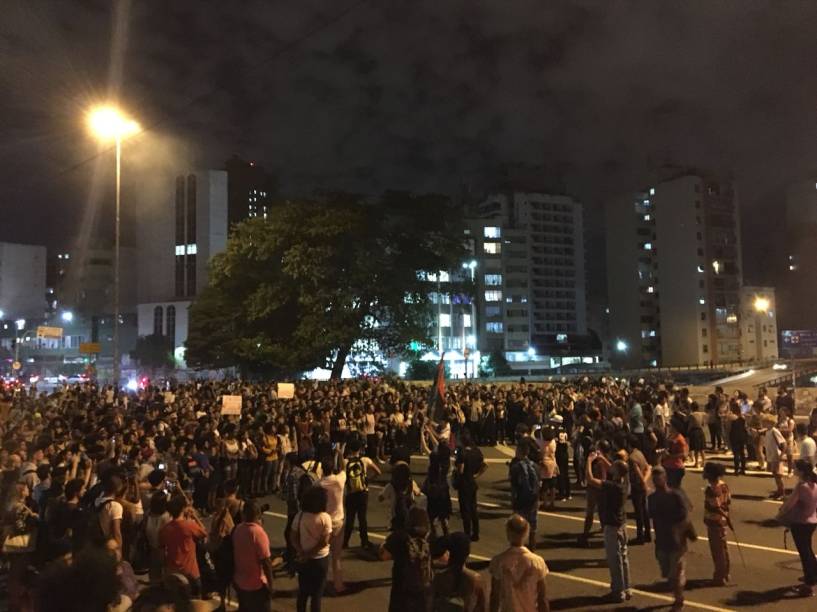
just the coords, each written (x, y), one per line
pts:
(530, 277)
(758, 323)
(250, 190)
(797, 269)
(177, 238)
(674, 273)
(22, 281)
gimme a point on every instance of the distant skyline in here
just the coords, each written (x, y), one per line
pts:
(425, 96)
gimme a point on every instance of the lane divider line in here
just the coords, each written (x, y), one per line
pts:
(572, 577)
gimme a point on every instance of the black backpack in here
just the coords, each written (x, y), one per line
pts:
(93, 533)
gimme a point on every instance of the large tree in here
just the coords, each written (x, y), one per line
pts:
(296, 290)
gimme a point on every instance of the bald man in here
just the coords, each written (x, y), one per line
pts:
(517, 574)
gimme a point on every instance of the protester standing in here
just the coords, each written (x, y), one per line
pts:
(517, 574)
(358, 467)
(799, 513)
(310, 534)
(524, 480)
(253, 562)
(675, 455)
(669, 513)
(717, 500)
(612, 493)
(469, 465)
(411, 571)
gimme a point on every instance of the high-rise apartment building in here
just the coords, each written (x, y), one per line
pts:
(796, 273)
(674, 273)
(250, 189)
(530, 277)
(22, 281)
(177, 238)
(758, 323)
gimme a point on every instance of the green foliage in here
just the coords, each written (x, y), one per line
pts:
(154, 352)
(424, 370)
(494, 364)
(295, 291)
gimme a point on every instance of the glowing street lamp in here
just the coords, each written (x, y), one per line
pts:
(621, 346)
(761, 304)
(67, 316)
(107, 123)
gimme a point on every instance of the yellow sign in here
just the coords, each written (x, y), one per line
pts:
(16, 365)
(90, 347)
(286, 391)
(231, 404)
(44, 331)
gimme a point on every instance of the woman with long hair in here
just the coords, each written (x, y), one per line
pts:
(799, 512)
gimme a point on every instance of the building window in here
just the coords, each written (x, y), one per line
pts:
(493, 296)
(700, 252)
(703, 332)
(466, 320)
(492, 248)
(170, 324)
(180, 210)
(191, 275)
(706, 348)
(701, 301)
(493, 280)
(493, 311)
(157, 321)
(703, 316)
(648, 246)
(492, 232)
(493, 327)
(445, 320)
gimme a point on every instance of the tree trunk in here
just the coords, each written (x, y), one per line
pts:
(340, 361)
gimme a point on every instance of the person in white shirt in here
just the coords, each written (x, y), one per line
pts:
(310, 534)
(109, 510)
(518, 575)
(334, 482)
(775, 445)
(808, 447)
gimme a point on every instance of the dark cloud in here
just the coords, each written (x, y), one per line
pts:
(423, 95)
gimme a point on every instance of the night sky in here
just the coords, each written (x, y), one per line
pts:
(421, 95)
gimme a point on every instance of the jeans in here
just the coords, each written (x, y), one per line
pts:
(254, 601)
(642, 519)
(311, 582)
(716, 433)
(802, 533)
(356, 505)
(615, 547)
(468, 510)
(674, 477)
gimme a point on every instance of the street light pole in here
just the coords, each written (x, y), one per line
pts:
(116, 358)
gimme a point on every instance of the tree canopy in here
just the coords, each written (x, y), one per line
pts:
(154, 352)
(298, 289)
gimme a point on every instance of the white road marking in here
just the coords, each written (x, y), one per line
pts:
(574, 578)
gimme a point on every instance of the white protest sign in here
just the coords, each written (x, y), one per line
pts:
(286, 390)
(231, 404)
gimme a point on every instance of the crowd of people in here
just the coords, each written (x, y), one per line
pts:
(151, 500)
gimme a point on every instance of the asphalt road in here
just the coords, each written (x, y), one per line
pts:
(762, 578)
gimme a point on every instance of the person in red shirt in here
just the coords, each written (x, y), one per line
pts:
(674, 456)
(253, 562)
(178, 541)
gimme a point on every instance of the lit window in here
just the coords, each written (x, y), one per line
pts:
(492, 232)
(716, 266)
(652, 190)
(792, 268)
(701, 301)
(445, 320)
(647, 217)
(191, 249)
(648, 246)
(443, 277)
(493, 296)
(493, 280)
(524, 300)
(646, 202)
(466, 320)
(494, 327)
(179, 249)
(650, 289)
(700, 269)
(561, 338)
(492, 248)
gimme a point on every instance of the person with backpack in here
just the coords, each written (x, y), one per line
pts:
(357, 492)
(106, 518)
(411, 587)
(399, 495)
(435, 488)
(524, 479)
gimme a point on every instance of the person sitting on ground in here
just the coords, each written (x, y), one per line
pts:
(456, 580)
